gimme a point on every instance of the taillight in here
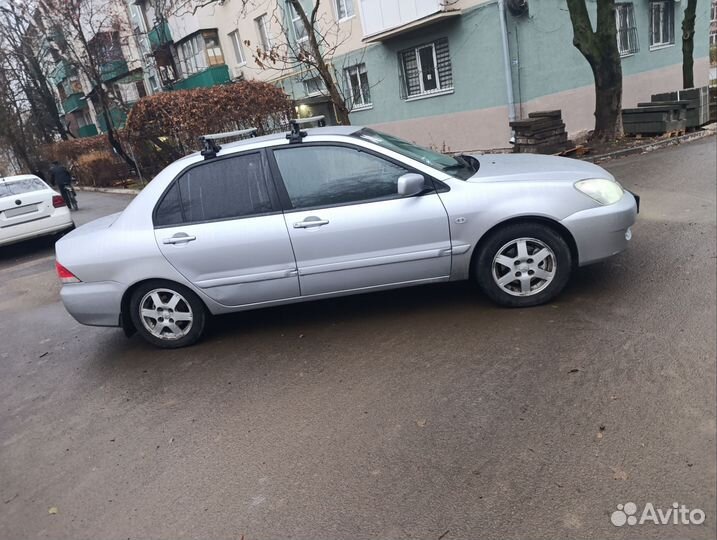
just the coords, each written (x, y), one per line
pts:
(65, 275)
(58, 201)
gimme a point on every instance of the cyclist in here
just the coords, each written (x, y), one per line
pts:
(61, 177)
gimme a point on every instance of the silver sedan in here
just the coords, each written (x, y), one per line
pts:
(336, 211)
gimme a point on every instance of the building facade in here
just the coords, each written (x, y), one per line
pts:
(444, 73)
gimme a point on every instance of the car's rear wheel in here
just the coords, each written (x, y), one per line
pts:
(523, 264)
(167, 314)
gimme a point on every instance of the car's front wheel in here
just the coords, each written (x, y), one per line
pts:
(167, 315)
(523, 264)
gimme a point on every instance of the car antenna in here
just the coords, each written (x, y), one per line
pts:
(296, 135)
(210, 148)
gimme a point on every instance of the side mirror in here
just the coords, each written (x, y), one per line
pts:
(410, 184)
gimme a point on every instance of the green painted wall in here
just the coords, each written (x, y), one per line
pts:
(204, 79)
(544, 59)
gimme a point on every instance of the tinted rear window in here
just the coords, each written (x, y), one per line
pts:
(18, 187)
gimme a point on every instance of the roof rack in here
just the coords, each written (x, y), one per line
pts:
(296, 135)
(210, 148)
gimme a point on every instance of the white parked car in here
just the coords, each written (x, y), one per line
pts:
(30, 208)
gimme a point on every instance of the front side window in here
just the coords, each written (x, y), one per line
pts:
(662, 23)
(626, 30)
(215, 190)
(344, 9)
(455, 166)
(357, 82)
(331, 175)
(262, 27)
(426, 69)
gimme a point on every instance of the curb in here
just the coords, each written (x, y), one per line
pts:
(645, 148)
(118, 191)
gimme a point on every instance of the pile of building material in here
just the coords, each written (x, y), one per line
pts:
(656, 118)
(698, 112)
(542, 133)
(670, 113)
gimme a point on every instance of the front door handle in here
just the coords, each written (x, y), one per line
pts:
(311, 221)
(179, 238)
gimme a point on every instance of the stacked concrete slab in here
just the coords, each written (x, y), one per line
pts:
(543, 132)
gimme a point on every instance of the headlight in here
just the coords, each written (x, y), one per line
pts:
(600, 189)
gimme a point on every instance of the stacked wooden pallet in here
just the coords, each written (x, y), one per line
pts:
(656, 118)
(543, 132)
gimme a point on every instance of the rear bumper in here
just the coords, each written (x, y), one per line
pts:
(57, 222)
(602, 232)
(94, 304)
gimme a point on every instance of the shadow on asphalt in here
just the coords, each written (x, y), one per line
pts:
(42, 246)
(443, 303)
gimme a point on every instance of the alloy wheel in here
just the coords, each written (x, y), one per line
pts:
(524, 267)
(166, 314)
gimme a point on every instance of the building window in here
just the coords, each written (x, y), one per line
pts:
(313, 86)
(426, 70)
(627, 42)
(262, 26)
(714, 12)
(198, 52)
(300, 33)
(344, 9)
(357, 82)
(238, 48)
(662, 23)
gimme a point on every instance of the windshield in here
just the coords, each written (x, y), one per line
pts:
(18, 187)
(455, 166)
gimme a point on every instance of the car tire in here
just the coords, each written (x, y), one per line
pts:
(523, 265)
(167, 315)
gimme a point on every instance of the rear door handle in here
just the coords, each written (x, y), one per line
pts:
(179, 238)
(311, 221)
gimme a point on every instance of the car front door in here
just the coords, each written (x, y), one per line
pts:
(219, 224)
(349, 228)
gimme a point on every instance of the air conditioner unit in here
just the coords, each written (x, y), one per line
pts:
(237, 73)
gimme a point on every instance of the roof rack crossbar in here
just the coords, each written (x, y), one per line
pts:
(210, 148)
(296, 135)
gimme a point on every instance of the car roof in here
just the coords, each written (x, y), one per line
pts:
(328, 130)
(18, 177)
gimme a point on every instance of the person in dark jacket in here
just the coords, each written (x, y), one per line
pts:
(61, 177)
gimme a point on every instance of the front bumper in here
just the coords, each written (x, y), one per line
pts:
(603, 231)
(94, 304)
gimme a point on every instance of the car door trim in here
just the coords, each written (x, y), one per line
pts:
(247, 278)
(374, 261)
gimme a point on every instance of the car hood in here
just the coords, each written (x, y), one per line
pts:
(525, 167)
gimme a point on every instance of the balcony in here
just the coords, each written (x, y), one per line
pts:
(117, 116)
(385, 19)
(61, 72)
(160, 36)
(74, 102)
(113, 70)
(204, 79)
(90, 130)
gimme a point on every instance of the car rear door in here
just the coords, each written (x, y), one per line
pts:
(349, 227)
(23, 201)
(219, 224)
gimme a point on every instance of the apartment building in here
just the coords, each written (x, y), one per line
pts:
(445, 73)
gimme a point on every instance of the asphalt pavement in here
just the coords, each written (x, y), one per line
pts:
(418, 413)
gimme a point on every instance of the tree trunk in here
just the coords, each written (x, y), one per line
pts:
(688, 44)
(599, 48)
(342, 111)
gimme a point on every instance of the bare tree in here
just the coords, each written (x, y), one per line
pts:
(599, 47)
(688, 44)
(20, 52)
(91, 30)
